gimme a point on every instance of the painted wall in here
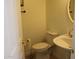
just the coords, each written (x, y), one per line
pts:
(57, 17)
(38, 12)
(12, 32)
(34, 20)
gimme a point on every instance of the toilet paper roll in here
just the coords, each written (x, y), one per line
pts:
(28, 42)
(28, 46)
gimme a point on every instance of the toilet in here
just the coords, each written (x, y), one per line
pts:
(41, 50)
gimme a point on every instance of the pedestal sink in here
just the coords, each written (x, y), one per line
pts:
(63, 41)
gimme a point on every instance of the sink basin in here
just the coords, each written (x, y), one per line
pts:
(63, 41)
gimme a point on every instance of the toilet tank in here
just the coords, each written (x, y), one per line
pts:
(50, 36)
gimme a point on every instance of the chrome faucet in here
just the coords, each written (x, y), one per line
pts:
(70, 33)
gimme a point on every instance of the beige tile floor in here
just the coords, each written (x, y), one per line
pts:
(33, 57)
(53, 57)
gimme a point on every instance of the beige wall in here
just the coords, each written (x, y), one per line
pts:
(40, 11)
(57, 17)
(34, 20)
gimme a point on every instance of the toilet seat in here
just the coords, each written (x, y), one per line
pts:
(40, 45)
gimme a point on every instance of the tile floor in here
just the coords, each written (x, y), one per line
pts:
(53, 57)
(33, 57)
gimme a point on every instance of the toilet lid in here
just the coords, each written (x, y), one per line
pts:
(40, 45)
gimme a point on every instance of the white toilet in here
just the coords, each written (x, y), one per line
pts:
(41, 50)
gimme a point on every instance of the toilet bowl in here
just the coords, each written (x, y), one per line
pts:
(40, 47)
(41, 50)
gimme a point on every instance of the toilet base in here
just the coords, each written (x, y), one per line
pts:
(42, 56)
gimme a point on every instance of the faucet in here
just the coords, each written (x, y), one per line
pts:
(70, 33)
